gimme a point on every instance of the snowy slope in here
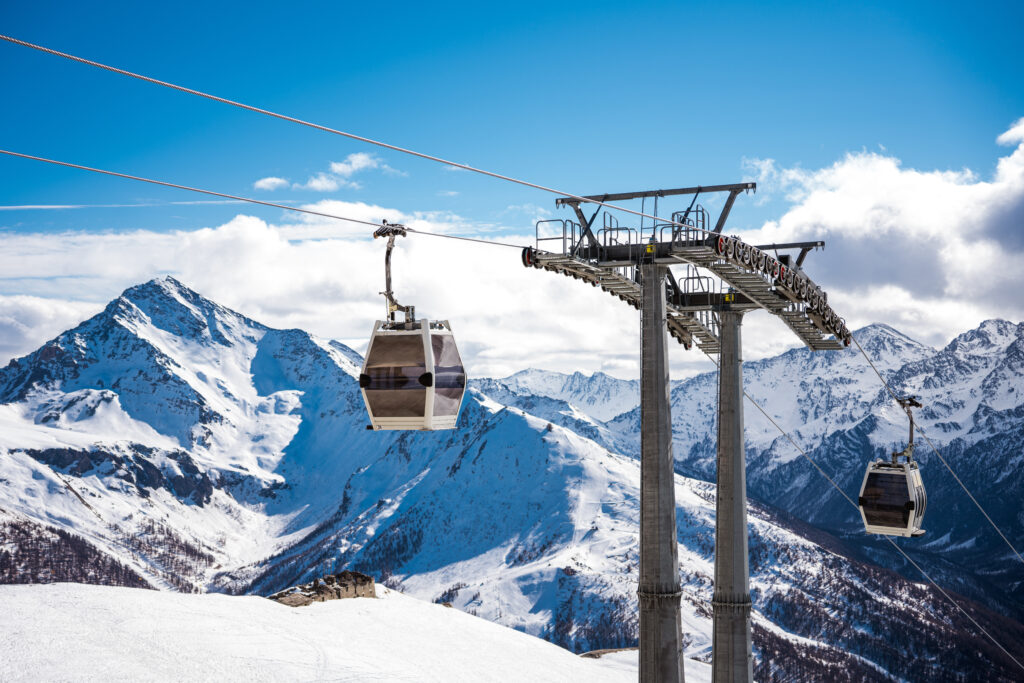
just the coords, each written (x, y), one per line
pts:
(600, 396)
(204, 451)
(92, 633)
(165, 421)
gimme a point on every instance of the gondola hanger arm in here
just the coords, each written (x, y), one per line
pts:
(392, 230)
(907, 403)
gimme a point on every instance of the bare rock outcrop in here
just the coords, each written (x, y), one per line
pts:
(331, 587)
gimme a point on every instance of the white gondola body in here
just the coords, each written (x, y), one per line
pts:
(892, 499)
(413, 379)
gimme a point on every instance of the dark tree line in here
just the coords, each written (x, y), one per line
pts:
(780, 659)
(33, 553)
(176, 560)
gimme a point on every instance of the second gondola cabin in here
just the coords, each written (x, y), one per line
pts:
(413, 377)
(892, 499)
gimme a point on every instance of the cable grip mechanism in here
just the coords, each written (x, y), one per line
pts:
(391, 231)
(907, 403)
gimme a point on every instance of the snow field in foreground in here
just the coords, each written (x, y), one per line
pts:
(99, 633)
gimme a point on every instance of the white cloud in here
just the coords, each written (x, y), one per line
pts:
(325, 182)
(341, 173)
(532, 213)
(766, 174)
(528, 208)
(317, 275)
(27, 321)
(929, 252)
(315, 227)
(1015, 134)
(270, 183)
(353, 164)
(448, 193)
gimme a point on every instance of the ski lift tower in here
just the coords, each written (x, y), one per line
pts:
(722, 279)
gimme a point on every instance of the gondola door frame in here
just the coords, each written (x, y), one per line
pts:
(428, 363)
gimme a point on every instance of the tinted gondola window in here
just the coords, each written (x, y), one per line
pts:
(394, 366)
(449, 375)
(885, 500)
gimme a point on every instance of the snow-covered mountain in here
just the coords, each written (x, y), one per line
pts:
(167, 409)
(598, 396)
(186, 446)
(836, 408)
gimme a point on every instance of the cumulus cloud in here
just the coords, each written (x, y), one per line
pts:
(314, 227)
(1015, 135)
(340, 173)
(27, 321)
(354, 163)
(325, 182)
(321, 276)
(270, 183)
(930, 252)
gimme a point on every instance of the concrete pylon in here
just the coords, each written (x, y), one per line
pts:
(731, 657)
(661, 641)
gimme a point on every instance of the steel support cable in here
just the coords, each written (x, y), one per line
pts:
(248, 199)
(326, 129)
(920, 431)
(857, 508)
(402, 150)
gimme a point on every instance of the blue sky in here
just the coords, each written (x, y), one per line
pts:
(587, 97)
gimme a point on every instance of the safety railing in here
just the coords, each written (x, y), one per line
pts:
(617, 237)
(694, 283)
(566, 233)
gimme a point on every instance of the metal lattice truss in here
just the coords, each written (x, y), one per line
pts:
(685, 326)
(750, 277)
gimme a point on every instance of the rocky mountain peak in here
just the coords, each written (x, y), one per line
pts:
(991, 336)
(171, 306)
(599, 394)
(879, 339)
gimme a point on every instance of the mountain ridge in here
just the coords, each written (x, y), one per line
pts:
(515, 516)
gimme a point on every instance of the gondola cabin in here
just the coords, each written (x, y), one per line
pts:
(892, 499)
(413, 376)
